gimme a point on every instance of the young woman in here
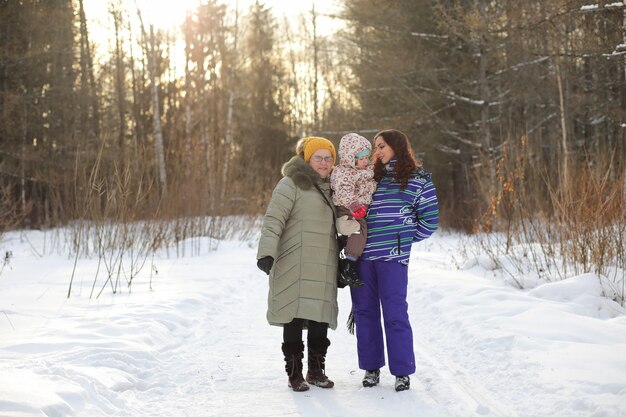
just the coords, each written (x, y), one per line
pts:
(298, 250)
(404, 210)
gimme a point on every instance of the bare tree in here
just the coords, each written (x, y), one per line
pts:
(159, 155)
(89, 108)
(315, 47)
(120, 78)
(232, 94)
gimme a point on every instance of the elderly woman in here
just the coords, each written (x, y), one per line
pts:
(298, 250)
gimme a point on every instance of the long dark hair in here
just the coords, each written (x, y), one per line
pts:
(405, 164)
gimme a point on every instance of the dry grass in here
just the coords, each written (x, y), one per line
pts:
(565, 226)
(122, 219)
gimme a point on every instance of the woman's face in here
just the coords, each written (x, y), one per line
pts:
(322, 162)
(382, 151)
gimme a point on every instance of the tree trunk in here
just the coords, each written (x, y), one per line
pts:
(157, 132)
(228, 136)
(89, 98)
(228, 139)
(188, 111)
(485, 133)
(315, 69)
(623, 98)
(119, 64)
(137, 125)
(564, 147)
(156, 119)
(485, 97)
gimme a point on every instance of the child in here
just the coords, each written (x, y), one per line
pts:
(352, 181)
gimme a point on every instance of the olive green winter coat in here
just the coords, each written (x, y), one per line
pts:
(298, 232)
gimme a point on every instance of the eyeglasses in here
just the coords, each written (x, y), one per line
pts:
(317, 158)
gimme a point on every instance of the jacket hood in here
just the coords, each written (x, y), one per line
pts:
(349, 146)
(301, 173)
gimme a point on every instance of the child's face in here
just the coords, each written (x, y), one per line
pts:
(363, 162)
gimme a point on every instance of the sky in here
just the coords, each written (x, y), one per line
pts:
(167, 14)
(190, 338)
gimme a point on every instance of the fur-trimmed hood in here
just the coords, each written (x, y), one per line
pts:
(302, 174)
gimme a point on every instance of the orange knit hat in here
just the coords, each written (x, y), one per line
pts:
(314, 143)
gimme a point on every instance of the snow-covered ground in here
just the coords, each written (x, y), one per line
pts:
(197, 344)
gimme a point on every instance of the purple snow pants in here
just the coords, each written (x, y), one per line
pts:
(386, 286)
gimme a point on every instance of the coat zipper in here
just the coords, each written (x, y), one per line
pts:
(399, 249)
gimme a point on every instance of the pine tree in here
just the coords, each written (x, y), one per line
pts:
(262, 121)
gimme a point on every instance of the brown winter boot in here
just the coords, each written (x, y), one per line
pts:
(294, 352)
(317, 349)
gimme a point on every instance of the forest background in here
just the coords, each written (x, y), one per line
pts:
(516, 107)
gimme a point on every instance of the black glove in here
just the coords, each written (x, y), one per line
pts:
(265, 264)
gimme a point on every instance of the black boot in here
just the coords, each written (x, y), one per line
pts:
(403, 383)
(316, 375)
(348, 274)
(371, 378)
(294, 352)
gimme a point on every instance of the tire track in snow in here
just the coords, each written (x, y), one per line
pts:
(447, 382)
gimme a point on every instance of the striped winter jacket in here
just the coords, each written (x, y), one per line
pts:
(396, 219)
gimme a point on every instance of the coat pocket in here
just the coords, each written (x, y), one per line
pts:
(399, 244)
